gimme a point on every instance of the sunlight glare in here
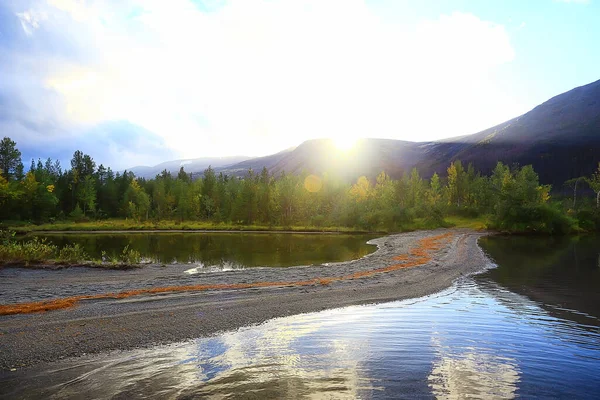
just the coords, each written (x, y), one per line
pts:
(344, 143)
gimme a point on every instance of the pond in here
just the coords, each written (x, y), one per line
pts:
(231, 249)
(528, 328)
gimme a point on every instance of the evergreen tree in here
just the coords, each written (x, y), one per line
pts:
(11, 166)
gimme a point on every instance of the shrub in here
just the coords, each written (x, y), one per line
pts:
(130, 256)
(72, 253)
(35, 250)
(77, 214)
(435, 219)
(539, 218)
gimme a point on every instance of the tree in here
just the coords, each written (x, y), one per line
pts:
(10, 159)
(434, 193)
(594, 182)
(137, 201)
(87, 194)
(573, 183)
(183, 176)
(456, 182)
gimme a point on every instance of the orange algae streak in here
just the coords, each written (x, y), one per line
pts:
(418, 256)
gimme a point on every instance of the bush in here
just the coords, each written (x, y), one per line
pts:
(77, 214)
(35, 250)
(318, 220)
(543, 218)
(130, 256)
(73, 253)
(7, 237)
(435, 219)
(589, 219)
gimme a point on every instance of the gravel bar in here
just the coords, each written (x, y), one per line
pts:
(95, 326)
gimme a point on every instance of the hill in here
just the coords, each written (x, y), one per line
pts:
(560, 138)
(193, 165)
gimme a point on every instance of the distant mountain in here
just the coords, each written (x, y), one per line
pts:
(560, 138)
(256, 164)
(194, 165)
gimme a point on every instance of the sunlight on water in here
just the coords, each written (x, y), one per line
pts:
(476, 338)
(221, 267)
(529, 328)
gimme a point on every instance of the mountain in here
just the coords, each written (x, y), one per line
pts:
(560, 138)
(193, 165)
(256, 164)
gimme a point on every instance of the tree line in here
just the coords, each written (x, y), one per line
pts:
(511, 198)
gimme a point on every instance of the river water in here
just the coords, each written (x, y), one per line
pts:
(241, 250)
(528, 328)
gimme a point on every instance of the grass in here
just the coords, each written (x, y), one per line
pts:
(478, 223)
(130, 225)
(38, 251)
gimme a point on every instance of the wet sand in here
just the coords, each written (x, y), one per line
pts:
(404, 266)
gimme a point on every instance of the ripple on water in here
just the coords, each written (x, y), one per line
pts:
(475, 338)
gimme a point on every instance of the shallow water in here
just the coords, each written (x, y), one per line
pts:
(510, 332)
(235, 250)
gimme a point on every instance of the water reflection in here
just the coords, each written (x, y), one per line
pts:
(470, 340)
(529, 328)
(474, 375)
(215, 249)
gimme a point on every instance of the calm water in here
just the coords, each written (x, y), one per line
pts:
(529, 328)
(233, 249)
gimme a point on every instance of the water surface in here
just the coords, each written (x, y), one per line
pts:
(529, 328)
(235, 249)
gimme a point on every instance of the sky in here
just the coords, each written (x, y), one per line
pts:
(138, 82)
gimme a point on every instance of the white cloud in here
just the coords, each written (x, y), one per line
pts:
(254, 77)
(30, 20)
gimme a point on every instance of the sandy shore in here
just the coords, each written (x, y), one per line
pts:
(201, 304)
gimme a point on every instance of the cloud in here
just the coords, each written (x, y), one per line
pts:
(251, 77)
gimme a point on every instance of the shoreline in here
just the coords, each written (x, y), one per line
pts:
(234, 231)
(406, 265)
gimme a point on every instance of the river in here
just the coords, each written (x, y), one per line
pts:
(527, 327)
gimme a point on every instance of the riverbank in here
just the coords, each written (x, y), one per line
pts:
(123, 225)
(108, 310)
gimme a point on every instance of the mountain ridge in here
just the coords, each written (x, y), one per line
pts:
(560, 138)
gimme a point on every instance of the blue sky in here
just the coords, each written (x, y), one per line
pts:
(139, 82)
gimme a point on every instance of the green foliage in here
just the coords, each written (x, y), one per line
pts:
(77, 214)
(588, 219)
(7, 237)
(10, 160)
(72, 254)
(512, 198)
(32, 251)
(535, 218)
(130, 256)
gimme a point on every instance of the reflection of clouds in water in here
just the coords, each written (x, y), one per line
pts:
(288, 357)
(468, 372)
(474, 375)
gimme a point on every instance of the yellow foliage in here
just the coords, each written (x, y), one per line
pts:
(50, 188)
(360, 190)
(135, 185)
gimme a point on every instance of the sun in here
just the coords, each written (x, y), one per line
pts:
(344, 143)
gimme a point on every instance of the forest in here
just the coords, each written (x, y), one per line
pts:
(510, 199)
